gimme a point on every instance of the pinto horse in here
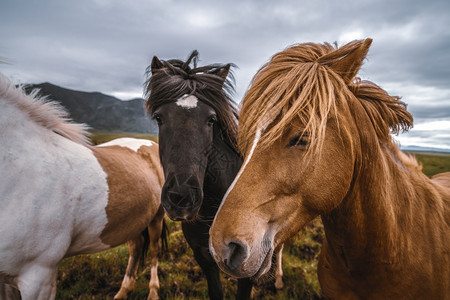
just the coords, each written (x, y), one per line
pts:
(197, 136)
(317, 141)
(62, 197)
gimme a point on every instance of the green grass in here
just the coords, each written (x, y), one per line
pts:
(433, 162)
(98, 276)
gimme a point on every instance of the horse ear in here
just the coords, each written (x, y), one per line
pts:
(156, 64)
(351, 61)
(222, 72)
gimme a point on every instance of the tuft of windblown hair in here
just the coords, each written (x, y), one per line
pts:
(177, 78)
(299, 83)
(49, 114)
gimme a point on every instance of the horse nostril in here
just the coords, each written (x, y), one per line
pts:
(236, 255)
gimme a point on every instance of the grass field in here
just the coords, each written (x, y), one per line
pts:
(433, 162)
(98, 276)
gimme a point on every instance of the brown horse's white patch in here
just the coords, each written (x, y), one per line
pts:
(131, 143)
(187, 101)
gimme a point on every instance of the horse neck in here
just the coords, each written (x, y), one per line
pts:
(223, 164)
(375, 220)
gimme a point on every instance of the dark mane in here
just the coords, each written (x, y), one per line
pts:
(176, 78)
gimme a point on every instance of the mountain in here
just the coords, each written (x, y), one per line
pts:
(101, 112)
(424, 149)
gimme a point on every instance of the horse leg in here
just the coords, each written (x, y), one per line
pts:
(38, 283)
(244, 290)
(155, 230)
(279, 269)
(135, 248)
(197, 236)
(212, 272)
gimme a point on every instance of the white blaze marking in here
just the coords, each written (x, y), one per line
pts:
(255, 142)
(187, 101)
(131, 143)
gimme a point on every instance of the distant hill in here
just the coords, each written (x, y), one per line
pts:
(424, 149)
(101, 112)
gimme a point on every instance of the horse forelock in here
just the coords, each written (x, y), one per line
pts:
(49, 114)
(176, 79)
(299, 83)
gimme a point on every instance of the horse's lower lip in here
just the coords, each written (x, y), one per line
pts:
(177, 219)
(181, 218)
(182, 215)
(266, 262)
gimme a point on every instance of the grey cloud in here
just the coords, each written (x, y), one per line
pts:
(425, 112)
(106, 45)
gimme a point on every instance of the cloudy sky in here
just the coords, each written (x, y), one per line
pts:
(101, 45)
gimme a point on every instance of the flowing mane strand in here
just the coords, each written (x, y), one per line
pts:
(49, 114)
(299, 82)
(176, 78)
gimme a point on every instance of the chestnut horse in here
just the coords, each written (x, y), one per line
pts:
(317, 141)
(197, 136)
(62, 197)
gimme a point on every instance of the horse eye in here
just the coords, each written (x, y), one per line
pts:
(157, 118)
(299, 140)
(212, 120)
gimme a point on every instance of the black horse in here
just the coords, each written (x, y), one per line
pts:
(197, 142)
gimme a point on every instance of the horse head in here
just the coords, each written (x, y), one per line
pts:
(303, 125)
(188, 104)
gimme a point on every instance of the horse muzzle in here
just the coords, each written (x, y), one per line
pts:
(181, 199)
(236, 259)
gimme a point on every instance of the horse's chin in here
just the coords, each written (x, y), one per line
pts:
(265, 265)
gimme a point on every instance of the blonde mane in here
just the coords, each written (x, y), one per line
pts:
(48, 114)
(300, 82)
